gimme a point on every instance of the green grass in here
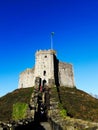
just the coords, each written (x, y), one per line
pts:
(19, 111)
(63, 112)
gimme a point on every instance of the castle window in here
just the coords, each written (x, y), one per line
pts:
(22, 85)
(45, 56)
(44, 73)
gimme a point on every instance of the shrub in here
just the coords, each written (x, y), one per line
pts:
(63, 112)
(19, 111)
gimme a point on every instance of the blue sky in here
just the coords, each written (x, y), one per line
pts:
(26, 25)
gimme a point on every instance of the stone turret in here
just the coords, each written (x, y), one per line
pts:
(66, 76)
(44, 65)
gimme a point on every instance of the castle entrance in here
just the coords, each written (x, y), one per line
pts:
(40, 97)
(44, 83)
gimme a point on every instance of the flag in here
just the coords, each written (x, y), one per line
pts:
(52, 33)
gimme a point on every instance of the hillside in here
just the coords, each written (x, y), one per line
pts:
(77, 103)
(7, 101)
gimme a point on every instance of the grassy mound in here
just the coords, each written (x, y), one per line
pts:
(77, 103)
(74, 102)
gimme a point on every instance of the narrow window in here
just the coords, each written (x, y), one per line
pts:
(22, 85)
(44, 73)
(45, 56)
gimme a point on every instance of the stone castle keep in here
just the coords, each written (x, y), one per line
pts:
(50, 71)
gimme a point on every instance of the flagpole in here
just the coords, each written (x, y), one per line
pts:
(51, 42)
(52, 33)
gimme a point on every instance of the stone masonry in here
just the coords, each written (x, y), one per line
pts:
(49, 69)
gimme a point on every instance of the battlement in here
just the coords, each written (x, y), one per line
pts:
(28, 70)
(38, 52)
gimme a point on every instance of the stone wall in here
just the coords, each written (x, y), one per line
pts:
(26, 78)
(66, 77)
(71, 124)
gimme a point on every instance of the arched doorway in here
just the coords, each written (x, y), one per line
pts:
(44, 83)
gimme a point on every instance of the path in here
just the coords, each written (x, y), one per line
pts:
(46, 125)
(35, 126)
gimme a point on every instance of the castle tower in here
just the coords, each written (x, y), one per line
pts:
(48, 70)
(44, 66)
